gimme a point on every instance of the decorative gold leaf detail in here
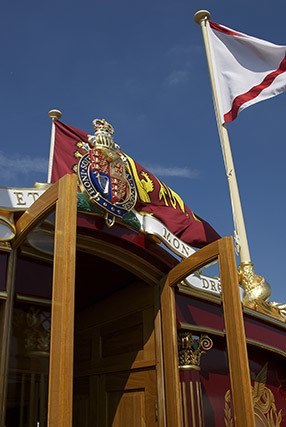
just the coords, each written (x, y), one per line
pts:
(77, 155)
(147, 183)
(259, 384)
(263, 400)
(227, 410)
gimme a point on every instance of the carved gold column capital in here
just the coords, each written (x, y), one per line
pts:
(190, 348)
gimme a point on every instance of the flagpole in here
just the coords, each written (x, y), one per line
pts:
(248, 278)
(54, 115)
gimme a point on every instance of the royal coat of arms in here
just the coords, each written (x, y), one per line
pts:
(103, 174)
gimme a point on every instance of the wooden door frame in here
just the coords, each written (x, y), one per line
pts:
(234, 328)
(61, 197)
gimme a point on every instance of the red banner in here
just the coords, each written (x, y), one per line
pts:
(68, 142)
(154, 196)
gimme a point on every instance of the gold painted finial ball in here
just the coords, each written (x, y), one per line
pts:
(200, 15)
(55, 114)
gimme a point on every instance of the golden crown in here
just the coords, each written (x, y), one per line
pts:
(102, 125)
(103, 132)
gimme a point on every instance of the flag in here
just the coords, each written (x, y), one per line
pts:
(246, 69)
(153, 196)
(156, 198)
(67, 145)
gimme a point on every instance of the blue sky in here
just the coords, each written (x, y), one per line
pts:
(142, 66)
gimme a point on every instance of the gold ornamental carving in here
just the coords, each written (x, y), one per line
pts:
(191, 348)
(256, 288)
(257, 291)
(265, 412)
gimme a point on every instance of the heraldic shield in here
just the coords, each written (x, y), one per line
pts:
(103, 174)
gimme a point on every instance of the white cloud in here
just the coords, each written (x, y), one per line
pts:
(177, 77)
(16, 165)
(179, 172)
(182, 57)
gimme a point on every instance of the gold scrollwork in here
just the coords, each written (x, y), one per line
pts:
(265, 411)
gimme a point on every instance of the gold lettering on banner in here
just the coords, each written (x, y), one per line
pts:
(20, 198)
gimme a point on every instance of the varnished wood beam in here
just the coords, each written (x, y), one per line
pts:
(39, 210)
(170, 353)
(194, 262)
(235, 337)
(60, 400)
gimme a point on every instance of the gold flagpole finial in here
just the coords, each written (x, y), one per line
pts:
(55, 114)
(201, 15)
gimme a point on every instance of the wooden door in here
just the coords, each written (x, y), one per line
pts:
(129, 399)
(116, 365)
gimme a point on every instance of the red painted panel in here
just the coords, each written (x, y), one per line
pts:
(199, 312)
(268, 369)
(268, 374)
(265, 333)
(210, 315)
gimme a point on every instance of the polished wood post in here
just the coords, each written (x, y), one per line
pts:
(235, 337)
(170, 353)
(62, 323)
